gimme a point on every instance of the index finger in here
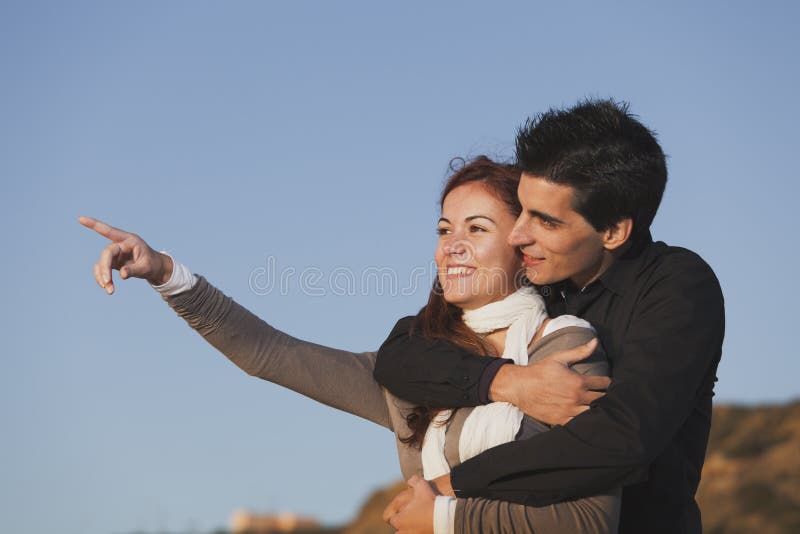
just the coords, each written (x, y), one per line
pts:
(105, 230)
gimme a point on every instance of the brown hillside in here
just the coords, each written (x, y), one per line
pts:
(369, 519)
(751, 479)
(750, 483)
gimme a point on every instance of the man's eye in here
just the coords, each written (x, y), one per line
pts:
(548, 224)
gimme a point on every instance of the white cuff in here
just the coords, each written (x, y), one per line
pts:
(444, 515)
(181, 279)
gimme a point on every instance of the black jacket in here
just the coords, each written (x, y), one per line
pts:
(659, 313)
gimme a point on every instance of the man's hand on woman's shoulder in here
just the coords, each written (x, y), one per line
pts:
(548, 390)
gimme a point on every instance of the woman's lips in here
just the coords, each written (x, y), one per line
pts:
(456, 271)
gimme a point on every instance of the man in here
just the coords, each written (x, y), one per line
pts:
(592, 180)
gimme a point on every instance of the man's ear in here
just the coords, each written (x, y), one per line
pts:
(617, 234)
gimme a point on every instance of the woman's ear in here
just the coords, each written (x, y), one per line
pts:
(617, 234)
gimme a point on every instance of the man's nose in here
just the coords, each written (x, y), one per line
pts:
(519, 235)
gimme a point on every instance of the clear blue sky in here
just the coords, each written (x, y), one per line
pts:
(318, 134)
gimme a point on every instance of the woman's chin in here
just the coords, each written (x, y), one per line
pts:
(459, 300)
(470, 302)
(466, 301)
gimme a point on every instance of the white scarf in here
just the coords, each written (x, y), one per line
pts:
(492, 424)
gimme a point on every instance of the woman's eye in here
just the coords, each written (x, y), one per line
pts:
(476, 228)
(442, 231)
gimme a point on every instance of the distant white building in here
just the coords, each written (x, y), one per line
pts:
(244, 521)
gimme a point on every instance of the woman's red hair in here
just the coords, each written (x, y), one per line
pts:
(439, 319)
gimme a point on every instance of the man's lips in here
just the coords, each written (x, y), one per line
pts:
(530, 261)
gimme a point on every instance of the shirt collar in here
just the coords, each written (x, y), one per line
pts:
(622, 272)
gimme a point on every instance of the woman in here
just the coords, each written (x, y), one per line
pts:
(478, 300)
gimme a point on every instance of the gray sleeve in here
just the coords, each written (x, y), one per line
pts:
(597, 514)
(592, 515)
(564, 339)
(337, 378)
(570, 337)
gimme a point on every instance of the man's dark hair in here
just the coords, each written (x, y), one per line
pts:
(598, 148)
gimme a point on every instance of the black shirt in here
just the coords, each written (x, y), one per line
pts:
(659, 313)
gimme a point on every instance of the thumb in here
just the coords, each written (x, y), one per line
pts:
(420, 485)
(414, 481)
(581, 352)
(133, 269)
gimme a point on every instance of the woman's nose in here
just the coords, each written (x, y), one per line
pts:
(458, 247)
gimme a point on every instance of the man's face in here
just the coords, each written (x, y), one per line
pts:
(556, 241)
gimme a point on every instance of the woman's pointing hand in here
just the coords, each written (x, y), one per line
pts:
(129, 254)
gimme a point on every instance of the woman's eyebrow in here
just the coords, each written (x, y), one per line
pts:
(472, 217)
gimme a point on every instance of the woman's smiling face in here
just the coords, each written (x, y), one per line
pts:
(476, 265)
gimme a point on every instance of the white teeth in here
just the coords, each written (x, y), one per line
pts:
(458, 270)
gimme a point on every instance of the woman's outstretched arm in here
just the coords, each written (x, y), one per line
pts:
(337, 378)
(340, 379)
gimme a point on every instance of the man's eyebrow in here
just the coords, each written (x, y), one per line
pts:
(544, 217)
